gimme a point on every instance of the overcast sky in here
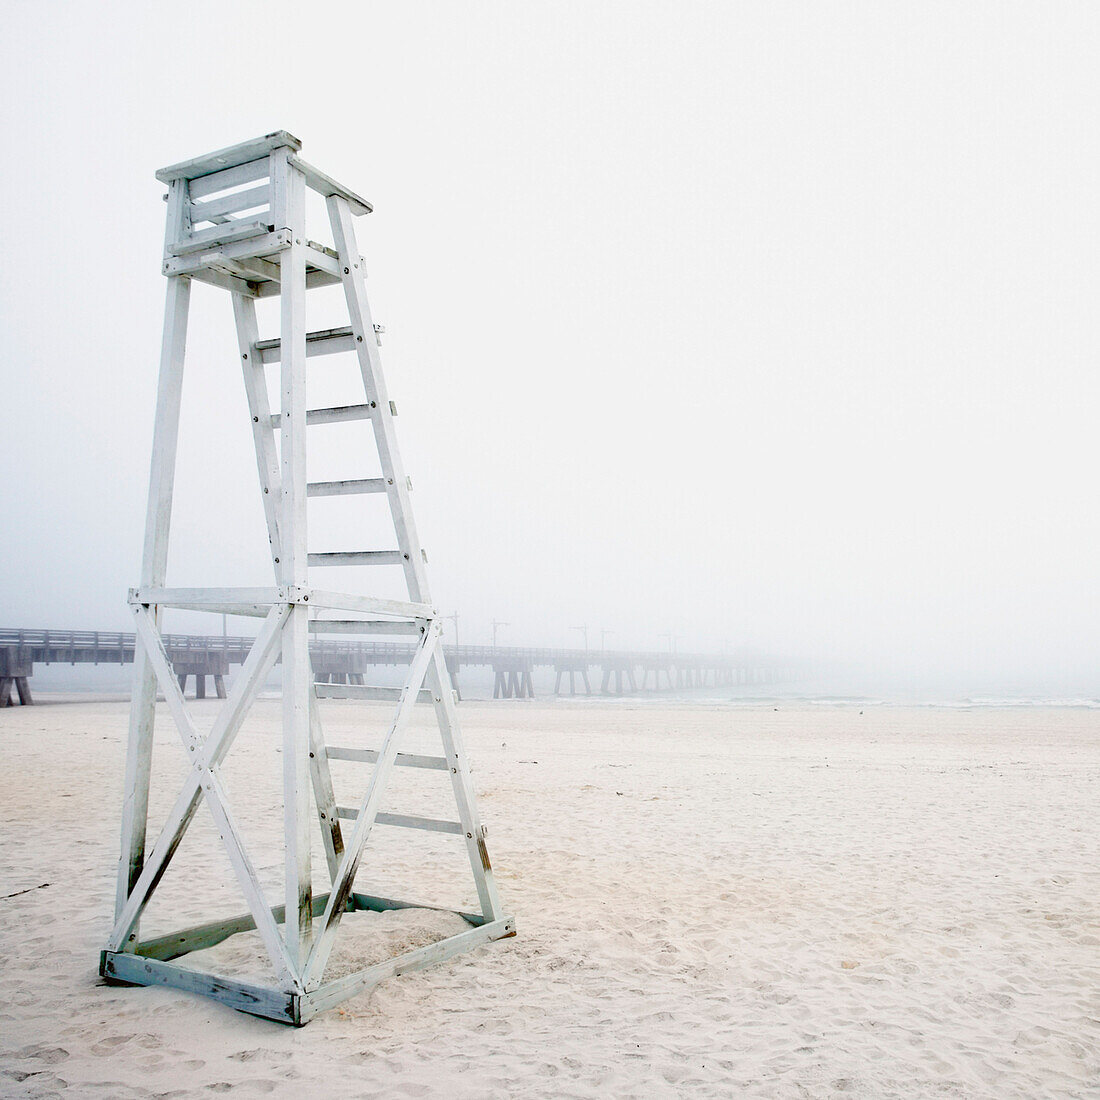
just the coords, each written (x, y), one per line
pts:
(762, 324)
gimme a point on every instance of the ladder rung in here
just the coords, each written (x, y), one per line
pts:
(346, 488)
(337, 415)
(366, 691)
(358, 557)
(326, 341)
(363, 626)
(407, 821)
(404, 759)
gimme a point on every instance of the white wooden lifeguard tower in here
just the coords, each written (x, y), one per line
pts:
(236, 219)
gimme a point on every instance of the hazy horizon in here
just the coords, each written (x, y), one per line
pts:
(766, 326)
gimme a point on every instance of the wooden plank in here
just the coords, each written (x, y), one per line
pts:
(403, 759)
(364, 626)
(249, 199)
(367, 692)
(213, 598)
(259, 408)
(354, 487)
(324, 185)
(372, 904)
(369, 605)
(256, 1000)
(439, 677)
(339, 414)
(202, 240)
(329, 341)
(406, 821)
(329, 820)
(268, 245)
(139, 745)
(221, 272)
(288, 199)
(318, 258)
(356, 557)
(256, 269)
(198, 937)
(239, 274)
(332, 993)
(153, 645)
(213, 183)
(222, 160)
(313, 279)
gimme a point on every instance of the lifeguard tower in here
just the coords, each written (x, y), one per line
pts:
(237, 220)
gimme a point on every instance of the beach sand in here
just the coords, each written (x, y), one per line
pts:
(711, 901)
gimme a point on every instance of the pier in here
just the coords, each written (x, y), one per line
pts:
(206, 660)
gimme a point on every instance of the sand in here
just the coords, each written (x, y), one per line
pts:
(711, 901)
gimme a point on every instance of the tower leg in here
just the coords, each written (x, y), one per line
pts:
(139, 743)
(289, 209)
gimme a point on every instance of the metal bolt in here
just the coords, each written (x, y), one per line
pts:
(469, 836)
(346, 272)
(359, 339)
(245, 356)
(255, 420)
(276, 561)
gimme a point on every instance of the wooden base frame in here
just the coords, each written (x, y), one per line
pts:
(151, 963)
(214, 235)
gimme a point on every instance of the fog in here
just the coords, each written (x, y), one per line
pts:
(754, 325)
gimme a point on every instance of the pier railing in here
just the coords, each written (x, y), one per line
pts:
(106, 647)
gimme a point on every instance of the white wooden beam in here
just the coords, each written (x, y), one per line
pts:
(221, 160)
(139, 743)
(288, 205)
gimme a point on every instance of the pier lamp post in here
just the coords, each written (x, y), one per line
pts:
(584, 630)
(497, 623)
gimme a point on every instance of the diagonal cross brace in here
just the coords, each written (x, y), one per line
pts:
(204, 780)
(368, 810)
